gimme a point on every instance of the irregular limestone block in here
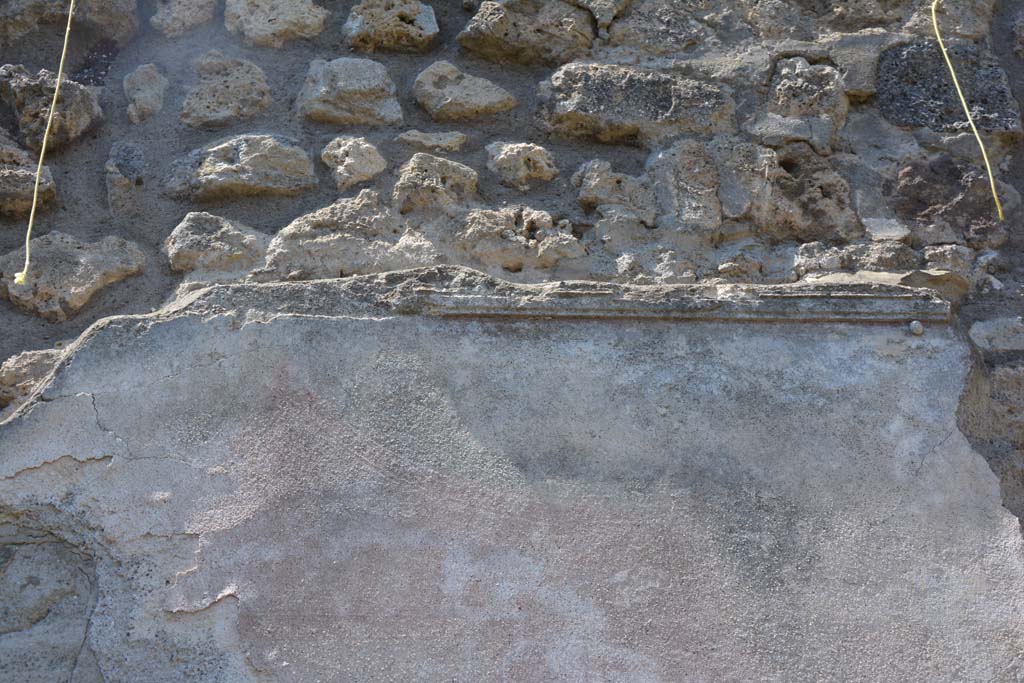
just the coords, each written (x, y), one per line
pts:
(349, 91)
(361, 234)
(999, 335)
(396, 25)
(427, 182)
(623, 104)
(659, 27)
(914, 89)
(512, 482)
(448, 94)
(516, 239)
(272, 23)
(353, 160)
(812, 96)
(229, 91)
(19, 377)
(66, 272)
(599, 187)
(604, 11)
(115, 20)
(31, 96)
(209, 248)
(18, 178)
(435, 142)
(125, 173)
(145, 88)
(244, 166)
(684, 180)
(174, 18)
(528, 31)
(519, 163)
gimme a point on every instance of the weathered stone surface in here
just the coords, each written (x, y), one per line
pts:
(520, 163)
(174, 18)
(914, 89)
(209, 248)
(66, 272)
(360, 234)
(604, 11)
(435, 142)
(353, 160)
(448, 94)
(810, 96)
(945, 201)
(431, 468)
(229, 91)
(430, 183)
(244, 166)
(622, 104)
(684, 180)
(599, 186)
(808, 200)
(856, 58)
(19, 377)
(999, 335)
(125, 174)
(814, 257)
(398, 25)
(349, 91)
(272, 23)
(514, 239)
(528, 31)
(18, 178)
(659, 26)
(30, 97)
(145, 88)
(115, 20)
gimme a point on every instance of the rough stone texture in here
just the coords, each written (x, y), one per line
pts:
(349, 91)
(947, 202)
(356, 235)
(520, 163)
(806, 104)
(528, 31)
(435, 142)
(228, 91)
(451, 95)
(145, 89)
(999, 335)
(125, 173)
(398, 25)
(914, 89)
(272, 23)
(244, 166)
(174, 18)
(66, 272)
(115, 20)
(353, 161)
(18, 178)
(209, 248)
(660, 26)
(541, 511)
(429, 183)
(19, 377)
(621, 104)
(604, 11)
(30, 96)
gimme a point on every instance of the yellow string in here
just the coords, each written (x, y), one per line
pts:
(967, 109)
(19, 278)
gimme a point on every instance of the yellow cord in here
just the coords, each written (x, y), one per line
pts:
(967, 109)
(19, 278)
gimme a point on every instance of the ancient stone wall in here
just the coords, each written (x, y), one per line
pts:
(712, 181)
